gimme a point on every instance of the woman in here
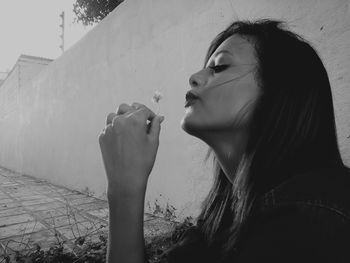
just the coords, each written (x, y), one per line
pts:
(263, 104)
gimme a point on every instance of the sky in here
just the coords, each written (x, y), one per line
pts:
(31, 27)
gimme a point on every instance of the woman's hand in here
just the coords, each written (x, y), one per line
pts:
(129, 147)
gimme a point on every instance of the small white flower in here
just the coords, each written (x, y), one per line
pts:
(156, 97)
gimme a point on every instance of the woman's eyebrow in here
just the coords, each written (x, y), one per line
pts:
(223, 51)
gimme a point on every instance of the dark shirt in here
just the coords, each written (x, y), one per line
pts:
(304, 219)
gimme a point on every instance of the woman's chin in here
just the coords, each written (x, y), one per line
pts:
(188, 125)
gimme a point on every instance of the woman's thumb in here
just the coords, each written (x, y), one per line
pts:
(155, 126)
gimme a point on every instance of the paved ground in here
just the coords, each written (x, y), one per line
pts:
(36, 212)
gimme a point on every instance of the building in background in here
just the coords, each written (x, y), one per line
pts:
(24, 70)
(3, 76)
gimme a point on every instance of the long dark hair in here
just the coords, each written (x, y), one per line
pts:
(292, 129)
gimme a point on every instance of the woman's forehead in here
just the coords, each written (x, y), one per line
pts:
(240, 47)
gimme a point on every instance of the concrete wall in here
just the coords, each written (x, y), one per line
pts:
(141, 47)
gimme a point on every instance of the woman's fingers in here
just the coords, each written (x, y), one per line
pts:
(140, 111)
(144, 113)
(137, 105)
(122, 109)
(110, 117)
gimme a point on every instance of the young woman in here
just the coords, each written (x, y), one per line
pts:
(263, 104)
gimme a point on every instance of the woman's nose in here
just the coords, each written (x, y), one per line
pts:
(196, 81)
(193, 82)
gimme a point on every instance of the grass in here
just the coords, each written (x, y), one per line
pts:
(91, 246)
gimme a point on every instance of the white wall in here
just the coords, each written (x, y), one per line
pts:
(141, 47)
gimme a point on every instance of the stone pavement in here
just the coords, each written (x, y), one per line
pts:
(37, 212)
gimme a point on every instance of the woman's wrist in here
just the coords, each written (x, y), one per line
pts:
(126, 215)
(115, 193)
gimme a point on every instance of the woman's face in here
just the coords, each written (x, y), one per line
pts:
(226, 89)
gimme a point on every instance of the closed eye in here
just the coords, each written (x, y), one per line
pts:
(219, 68)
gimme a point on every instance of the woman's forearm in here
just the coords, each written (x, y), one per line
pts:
(126, 235)
(129, 149)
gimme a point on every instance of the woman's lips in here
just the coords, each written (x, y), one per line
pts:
(190, 98)
(190, 95)
(190, 102)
